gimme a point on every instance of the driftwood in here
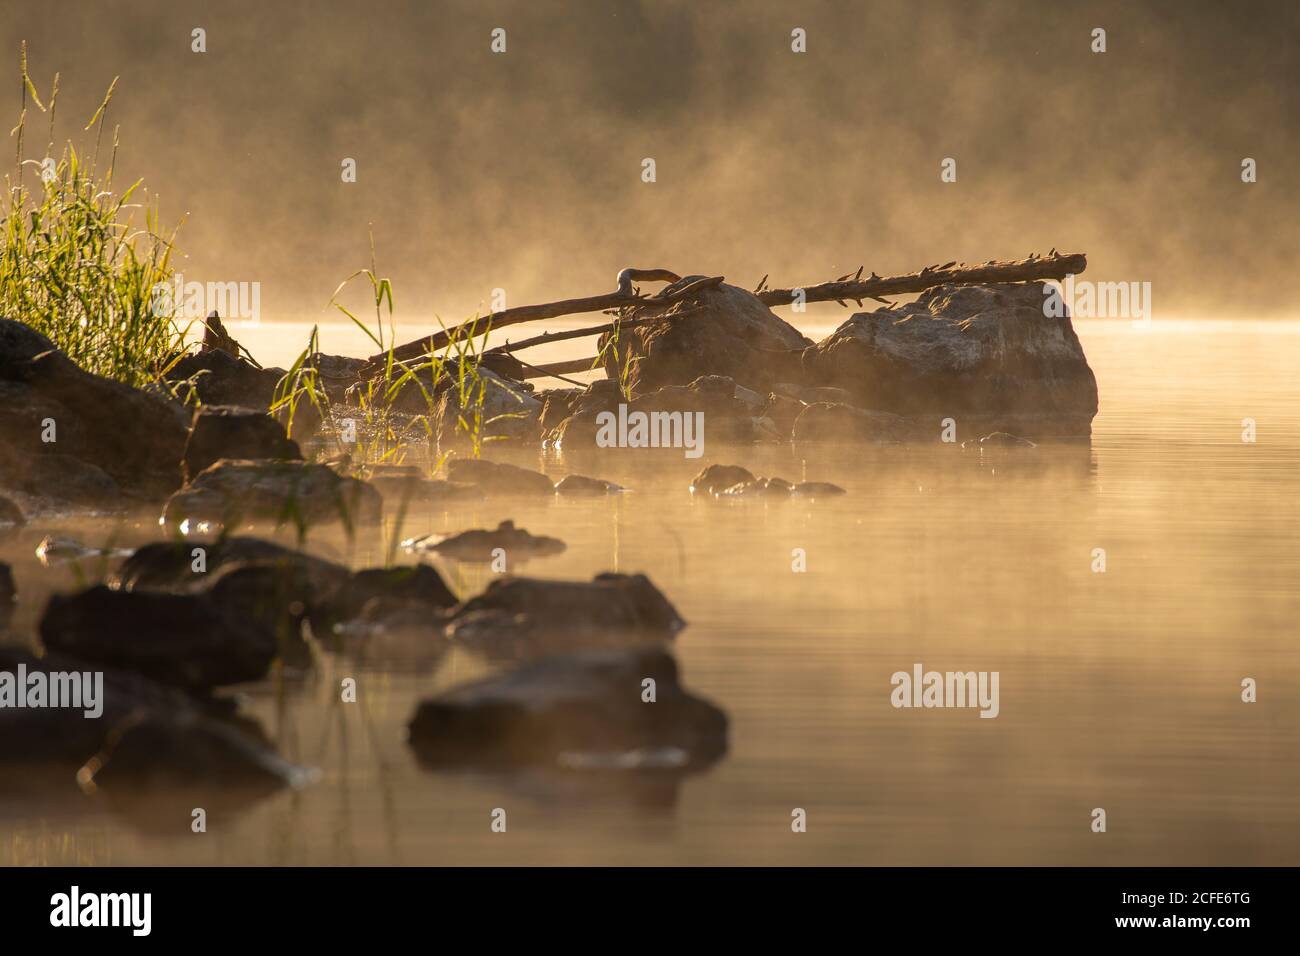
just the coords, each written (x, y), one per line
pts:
(855, 288)
(845, 289)
(547, 310)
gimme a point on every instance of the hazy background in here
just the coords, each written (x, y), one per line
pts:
(522, 170)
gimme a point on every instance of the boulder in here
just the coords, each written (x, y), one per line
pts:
(186, 640)
(8, 594)
(233, 491)
(480, 544)
(171, 565)
(724, 331)
(219, 378)
(133, 437)
(62, 478)
(336, 373)
(570, 711)
(498, 478)
(987, 356)
(227, 431)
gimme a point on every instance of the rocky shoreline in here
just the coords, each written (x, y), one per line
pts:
(212, 605)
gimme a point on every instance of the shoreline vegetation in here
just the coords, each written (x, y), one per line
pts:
(107, 409)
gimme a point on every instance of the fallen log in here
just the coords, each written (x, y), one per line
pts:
(854, 288)
(547, 310)
(548, 337)
(557, 369)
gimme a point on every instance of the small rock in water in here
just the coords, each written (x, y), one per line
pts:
(176, 565)
(233, 492)
(526, 617)
(580, 485)
(482, 545)
(716, 478)
(768, 487)
(499, 478)
(570, 710)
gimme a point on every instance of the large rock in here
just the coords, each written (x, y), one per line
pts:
(725, 331)
(577, 710)
(228, 431)
(191, 641)
(288, 492)
(131, 436)
(986, 356)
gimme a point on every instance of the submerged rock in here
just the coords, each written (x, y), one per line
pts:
(725, 331)
(54, 551)
(232, 492)
(498, 478)
(479, 544)
(176, 565)
(986, 356)
(226, 431)
(575, 711)
(732, 481)
(129, 435)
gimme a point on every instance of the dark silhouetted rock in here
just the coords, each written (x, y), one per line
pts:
(147, 736)
(171, 565)
(220, 378)
(817, 489)
(336, 373)
(127, 434)
(293, 492)
(987, 356)
(8, 594)
(415, 584)
(225, 431)
(188, 640)
(62, 478)
(570, 710)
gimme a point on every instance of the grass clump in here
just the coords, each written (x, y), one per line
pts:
(75, 263)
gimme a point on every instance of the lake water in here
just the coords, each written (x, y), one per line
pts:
(1118, 690)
